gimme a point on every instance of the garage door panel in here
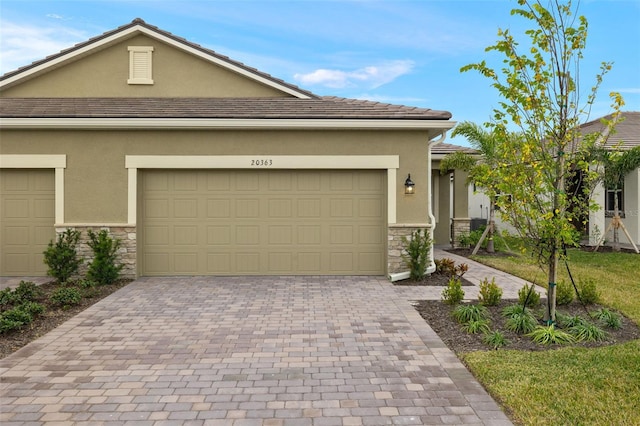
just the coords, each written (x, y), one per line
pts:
(157, 263)
(156, 209)
(27, 216)
(266, 222)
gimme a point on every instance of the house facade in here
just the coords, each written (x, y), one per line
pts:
(201, 165)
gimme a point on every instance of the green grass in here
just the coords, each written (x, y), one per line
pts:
(570, 385)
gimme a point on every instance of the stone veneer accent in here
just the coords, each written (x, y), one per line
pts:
(461, 225)
(128, 246)
(396, 246)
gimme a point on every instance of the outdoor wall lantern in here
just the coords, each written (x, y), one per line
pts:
(409, 186)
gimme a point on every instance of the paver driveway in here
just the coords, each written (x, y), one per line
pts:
(244, 351)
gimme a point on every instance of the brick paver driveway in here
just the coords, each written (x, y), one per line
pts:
(244, 351)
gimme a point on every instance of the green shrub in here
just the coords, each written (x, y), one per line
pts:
(609, 318)
(7, 297)
(476, 326)
(66, 297)
(18, 315)
(546, 335)
(588, 332)
(568, 321)
(103, 268)
(8, 325)
(28, 291)
(587, 289)
(521, 323)
(453, 293)
(464, 240)
(32, 308)
(61, 257)
(513, 310)
(528, 296)
(495, 339)
(416, 253)
(465, 313)
(564, 293)
(490, 294)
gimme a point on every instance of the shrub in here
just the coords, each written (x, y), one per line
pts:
(513, 310)
(587, 289)
(546, 335)
(7, 325)
(103, 268)
(490, 294)
(521, 323)
(528, 296)
(17, 315)
(453, 293)
(32, 308)
(464, 239)
(28, 291)
(445, 266)
(7, 297)
(62, 257)
(568, 321)
(417, 250)
(466, 313)
(476, 326)
(608, 318)
(587, 332)
(495, 339)
(564, 293)
(66, 297)
(460, 270)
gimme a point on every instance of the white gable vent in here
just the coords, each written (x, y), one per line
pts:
(140, 65)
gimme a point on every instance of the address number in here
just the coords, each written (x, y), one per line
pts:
(262, 162)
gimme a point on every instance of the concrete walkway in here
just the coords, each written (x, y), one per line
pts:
(476, 273)
(244, 351)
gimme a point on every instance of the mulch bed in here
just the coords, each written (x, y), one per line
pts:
(435, 280)
(52, 317)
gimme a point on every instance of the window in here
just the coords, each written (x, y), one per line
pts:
(610, 200)
(140, 65)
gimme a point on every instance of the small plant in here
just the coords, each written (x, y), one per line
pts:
(460, 270)
(464, 240)
(609, 318)
(416, 256)
(7, 325)
(7, 297)
(18, 315)
(32, 308)
(513, 310)
(568, 321)
(61, 257)
(88, 287)
(564, 293)
(495, 339)
(66, 297)
(476, 326)
(27, 291)
(521, 323)
(445, 266)
(587, 289)
(490, 294)
(588, 332)
(528, 296)
(103, 268)
(465, 313)
(453, 293)
(549, 334)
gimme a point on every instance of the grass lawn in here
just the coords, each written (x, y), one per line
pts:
(571, 385)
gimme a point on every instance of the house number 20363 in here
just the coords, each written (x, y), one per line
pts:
(265, 162)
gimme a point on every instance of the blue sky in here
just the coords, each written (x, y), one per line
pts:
(398, 51)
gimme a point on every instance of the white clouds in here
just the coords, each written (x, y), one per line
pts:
(21, 44)
(370, 77)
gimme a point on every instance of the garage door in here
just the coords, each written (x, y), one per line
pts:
(245, 222)
(27, 209)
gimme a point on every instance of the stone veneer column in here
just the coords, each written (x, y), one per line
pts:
(127, 251)
(461, 225)
(396, 246)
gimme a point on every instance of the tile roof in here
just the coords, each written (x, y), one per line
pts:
(626, 135)
(448, 148)
(327, 107)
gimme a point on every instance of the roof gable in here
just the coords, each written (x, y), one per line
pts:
(626, 134)
(139, 27)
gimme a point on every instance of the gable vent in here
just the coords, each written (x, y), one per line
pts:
(140, 65)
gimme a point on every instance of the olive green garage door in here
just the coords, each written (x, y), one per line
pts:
(27, 217)
(247, 222)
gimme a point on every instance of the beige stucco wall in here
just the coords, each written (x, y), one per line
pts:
(105, 72)
(95, 179)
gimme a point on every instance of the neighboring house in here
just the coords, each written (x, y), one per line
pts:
(450, 197)
(201, 165)
(626, 136)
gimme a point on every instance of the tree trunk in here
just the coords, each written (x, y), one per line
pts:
(616, 218)
(492, 227)
(550, 312)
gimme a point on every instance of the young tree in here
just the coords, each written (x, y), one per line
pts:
(541, 97)
(485, 143)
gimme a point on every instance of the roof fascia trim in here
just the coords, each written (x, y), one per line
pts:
(151, 33)
(219, 123)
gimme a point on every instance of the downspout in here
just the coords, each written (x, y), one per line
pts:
(432, 218)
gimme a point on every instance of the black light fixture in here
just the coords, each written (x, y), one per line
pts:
(409, 186)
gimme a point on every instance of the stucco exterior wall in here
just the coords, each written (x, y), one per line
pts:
(105, 72)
